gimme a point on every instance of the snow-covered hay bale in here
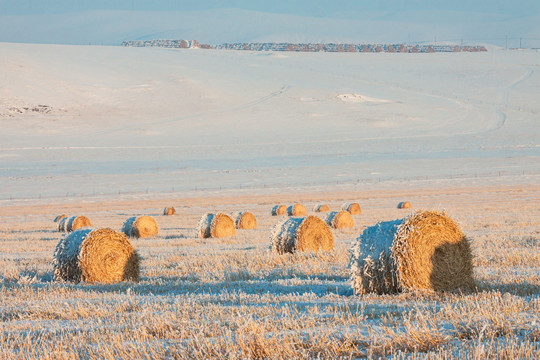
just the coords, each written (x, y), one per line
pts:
(77, 222)
(296, 210)
(216, 226)
(62, 224)
(321, 208)
(57, 219)
(301, 234)
(425, 250)
(95, 256)
(404, 205)
(140, 227)
(169, 211)
(352, 208)
(279, 210)
(244, 220)
(339, 219)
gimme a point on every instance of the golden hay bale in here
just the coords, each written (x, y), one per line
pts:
(169, 211)
(339, 219)
(77, 222)
(404, 205)
(245, 220)
(140, 227)
(352, 208)
(62, 223)
(321, 208)
(425, 250)
(216, 226)
(296, 210)
(301, 234)
(95, 256)
(57, 219)
(279, 210)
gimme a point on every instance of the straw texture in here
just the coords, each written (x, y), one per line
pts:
(426, 250)
(96, 256)
(352, 208)
(279, 210)
(296, 210)
(140, 227)
(321, 208)
(339, 219)
(77, 222)
(244, 220)
(301, 234)
(216, 226)
(404, 205)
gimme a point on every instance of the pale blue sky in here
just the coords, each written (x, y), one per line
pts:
(348, 8)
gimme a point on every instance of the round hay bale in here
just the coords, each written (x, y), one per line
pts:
(62, 224)
(56, 219)
(245, 220)
(301, 234)
(425, 250)
(140, 227)
(339, 219)
(279, 210)
(321, 208)
(77, 222)
(296, 210)
(96, 256)
(404, 205)
(169, 211)
(216, 226)
(352, 208)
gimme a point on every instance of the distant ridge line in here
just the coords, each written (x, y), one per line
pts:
(308, 47)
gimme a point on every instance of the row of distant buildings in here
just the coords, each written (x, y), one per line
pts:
(310, 47)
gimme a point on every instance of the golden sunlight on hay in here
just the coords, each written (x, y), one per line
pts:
(296, 210)
(279, 210)
(321, 208)
(245, 220)
(352, 208)
(216, 226)
(339, 219)
(301, 234)
(140, 227)
(77, 222)
(96, 256)
(404, 205)
(169, 211)
(426, 250)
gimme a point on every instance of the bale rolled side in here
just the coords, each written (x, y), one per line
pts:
(301, 234)
(96, 256)
(62, 224)
(339, 219)
(321, 208)
(296, 210)
(77, 222)
(244, 220)
(140, 227)
(216, 226)
(352, 208)
(404, 205)
(426, 250)
(169, 211)
(57, 219)
(279, 210)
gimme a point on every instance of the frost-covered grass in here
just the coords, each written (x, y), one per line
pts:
(234, 298)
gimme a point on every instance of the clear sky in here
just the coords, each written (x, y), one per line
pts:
(319, 8)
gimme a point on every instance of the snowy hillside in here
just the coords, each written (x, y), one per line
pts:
(103, 120)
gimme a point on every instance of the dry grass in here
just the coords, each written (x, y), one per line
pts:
(234, 298)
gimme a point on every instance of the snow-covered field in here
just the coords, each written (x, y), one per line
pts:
(87, 120)
(113, 132)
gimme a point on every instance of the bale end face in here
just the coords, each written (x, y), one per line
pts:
(279, 210)
(296, 210)
(96, 256)
(77, 222)
(140, 227)
(404, 205)
(321, 208)
(352, 208)
(302, 234)
(169, 211)
(340, 220)
(245, 220)
(216, 226)
(426, 250)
